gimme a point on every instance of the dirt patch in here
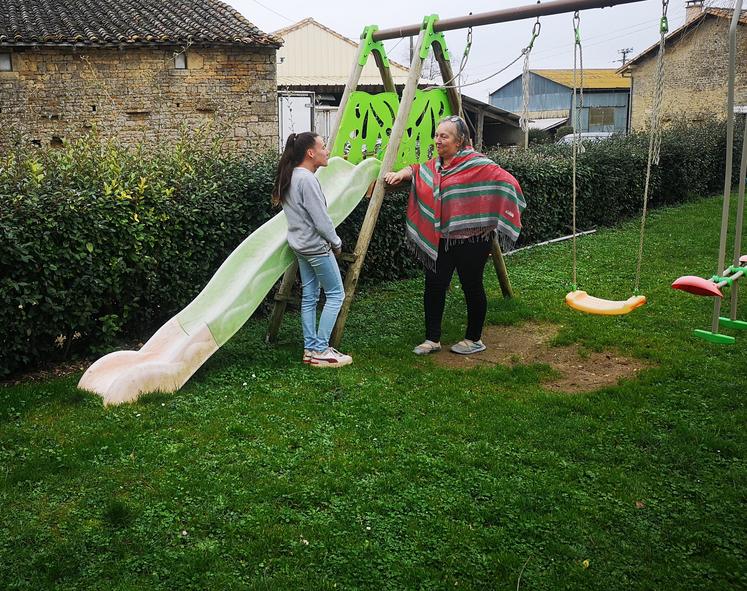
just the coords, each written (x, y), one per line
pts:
(580, 371)
(59, 370)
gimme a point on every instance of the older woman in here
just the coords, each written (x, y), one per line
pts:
(457, 203)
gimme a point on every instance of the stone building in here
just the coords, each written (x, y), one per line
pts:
(136, 72)
(696, 68)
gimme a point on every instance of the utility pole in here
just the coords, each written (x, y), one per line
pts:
(624, 53)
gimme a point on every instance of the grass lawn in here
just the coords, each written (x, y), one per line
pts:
(397, 473)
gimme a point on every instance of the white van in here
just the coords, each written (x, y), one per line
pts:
(586, 136)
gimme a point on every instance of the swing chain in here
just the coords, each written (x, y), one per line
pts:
(462, 65)
(578, 101)
(654, 145)
(524, 119)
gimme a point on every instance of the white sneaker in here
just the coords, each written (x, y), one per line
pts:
(427, 347)
(307, 355)
(467, 347)
(329, 358)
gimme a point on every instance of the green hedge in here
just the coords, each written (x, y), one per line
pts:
(99, 244)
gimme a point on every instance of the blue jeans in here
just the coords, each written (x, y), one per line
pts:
(319, 271)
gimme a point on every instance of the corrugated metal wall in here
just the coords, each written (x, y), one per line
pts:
(549, 98)
(544, 95)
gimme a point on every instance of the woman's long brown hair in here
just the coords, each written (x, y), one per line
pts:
(293, 154)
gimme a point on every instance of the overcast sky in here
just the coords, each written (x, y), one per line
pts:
(604, 31)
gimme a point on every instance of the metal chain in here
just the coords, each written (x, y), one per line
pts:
(524, 119)
(578, 101)
(654, 144)
(462, 65)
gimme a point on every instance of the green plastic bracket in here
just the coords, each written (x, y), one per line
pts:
(432, 37)
(664, 25)
(370, 45)
(736, 269)
(729, 323)
(714, 337)
(718, 279)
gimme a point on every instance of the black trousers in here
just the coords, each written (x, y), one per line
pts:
(468, 258)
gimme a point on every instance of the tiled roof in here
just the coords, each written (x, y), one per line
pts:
(594, 79)
(723, 13)
(127, 22)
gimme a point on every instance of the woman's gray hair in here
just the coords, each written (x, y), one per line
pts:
(462, 131)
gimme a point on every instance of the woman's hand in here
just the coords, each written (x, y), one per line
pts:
(395, 178)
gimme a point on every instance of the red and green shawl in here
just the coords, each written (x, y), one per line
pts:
(473, 193)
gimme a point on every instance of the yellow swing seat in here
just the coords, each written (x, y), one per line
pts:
(582, 301)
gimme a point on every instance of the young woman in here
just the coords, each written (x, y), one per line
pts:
(458, 201)
(312, 236)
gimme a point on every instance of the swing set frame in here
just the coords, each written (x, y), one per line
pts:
(429, 37)
(729, 276)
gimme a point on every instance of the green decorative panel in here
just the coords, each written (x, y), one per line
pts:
(368, 120)
(366, 125)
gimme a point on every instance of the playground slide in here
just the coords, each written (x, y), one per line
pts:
(185, 342)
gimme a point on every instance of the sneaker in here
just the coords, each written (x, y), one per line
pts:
(427, 347)
(467, 347)
(307, 355)
(329, 358)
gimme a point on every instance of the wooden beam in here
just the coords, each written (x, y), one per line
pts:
(447, 74)
(352, 84)
(480, 126)
(500, 269)
(374, 205)
(281, 301)
(386, 73)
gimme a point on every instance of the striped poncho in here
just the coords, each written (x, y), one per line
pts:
(474, 193)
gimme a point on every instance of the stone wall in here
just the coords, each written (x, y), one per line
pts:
(695, 77)
(134, 95)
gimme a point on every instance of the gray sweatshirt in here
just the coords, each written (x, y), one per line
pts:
(310, 230)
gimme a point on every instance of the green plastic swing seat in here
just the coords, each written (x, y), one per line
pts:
(583, 302)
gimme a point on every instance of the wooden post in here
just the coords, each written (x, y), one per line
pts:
(480, 126)
(386, 73)
(500, 269)
(374, 205)
(352, 84)
(447, 74)
(281, 301)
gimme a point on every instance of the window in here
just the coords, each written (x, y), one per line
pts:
(601, 118)
(180, 60)
(5, 64)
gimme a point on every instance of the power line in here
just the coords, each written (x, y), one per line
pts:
(623, 32)
(290, 20)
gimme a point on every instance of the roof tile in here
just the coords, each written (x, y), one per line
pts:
(134, 22)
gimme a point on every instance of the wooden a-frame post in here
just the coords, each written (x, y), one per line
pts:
(374, 205)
